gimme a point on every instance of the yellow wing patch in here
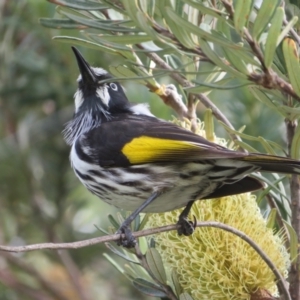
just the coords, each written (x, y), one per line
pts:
(146, 149)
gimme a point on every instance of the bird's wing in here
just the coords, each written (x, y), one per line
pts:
(139, 140)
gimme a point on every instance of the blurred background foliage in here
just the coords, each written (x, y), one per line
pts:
(40, 198)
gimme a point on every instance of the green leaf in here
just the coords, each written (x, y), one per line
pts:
(218, 85)
(262, 97)
(123, 39)
(80, 4)
(209, 36)
(176, 283)
(213, 56)
(84, 43)
(156, 265)
(207, 10)
(242, 9)
(293, 243)
(272, 38)
(148, 288)
(291, 58)
(287, 29)
(111, 26)
(264, 16)
(61, 24)
(185, 296)
(119, 252)
(271, 221)
(113, 262)
(235, 60)
(295, 149)
(181, 34)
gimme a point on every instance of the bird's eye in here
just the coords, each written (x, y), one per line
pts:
(113, 86)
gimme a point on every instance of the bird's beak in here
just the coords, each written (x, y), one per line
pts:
(87, 74)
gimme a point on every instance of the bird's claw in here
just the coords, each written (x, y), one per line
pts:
(186, 227)
(129, 241)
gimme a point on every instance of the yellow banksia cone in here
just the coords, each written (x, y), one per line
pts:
(216, 264)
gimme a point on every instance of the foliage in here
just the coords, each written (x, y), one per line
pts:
(236, 58)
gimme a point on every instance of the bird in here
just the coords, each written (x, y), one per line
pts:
(135, 161)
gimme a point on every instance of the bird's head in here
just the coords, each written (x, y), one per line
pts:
(95, 92)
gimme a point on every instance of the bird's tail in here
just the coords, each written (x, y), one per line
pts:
(272, 163)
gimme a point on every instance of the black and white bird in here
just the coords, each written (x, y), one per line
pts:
(137, 162)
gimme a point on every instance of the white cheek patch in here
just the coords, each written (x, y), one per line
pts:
(141, 109)
(103, 94)
(78, 98)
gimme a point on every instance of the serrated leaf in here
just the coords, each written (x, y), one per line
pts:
(271, 221)
(272, 38)
(295, 149)
(242, 9)
(264, 16)
(293, 242)
(291, 58)
(148, 288)
(79, 4)
(156, 265)
(185, 296)
(60, 23)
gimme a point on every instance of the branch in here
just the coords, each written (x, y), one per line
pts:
(108, 238)
(203, 99)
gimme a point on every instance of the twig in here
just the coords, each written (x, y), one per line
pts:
(268, 79)
(74, 245)
(185, 83)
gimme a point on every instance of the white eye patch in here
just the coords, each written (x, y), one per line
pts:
(113, 86)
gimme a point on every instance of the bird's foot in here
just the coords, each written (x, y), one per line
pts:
(186, 227)
(129, 241)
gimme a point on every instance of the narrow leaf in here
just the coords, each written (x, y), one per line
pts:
(273, 35)
(271, 221)
(293, 242)
(242, 9)
(156, 265)
(295, 149)
(291, 58)
(85, 43)
(61, 23)
(148, 288)
(79, 4)
(264, 16)
(185, 296)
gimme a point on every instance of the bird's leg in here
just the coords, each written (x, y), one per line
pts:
(129, 241)
(186, 227)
